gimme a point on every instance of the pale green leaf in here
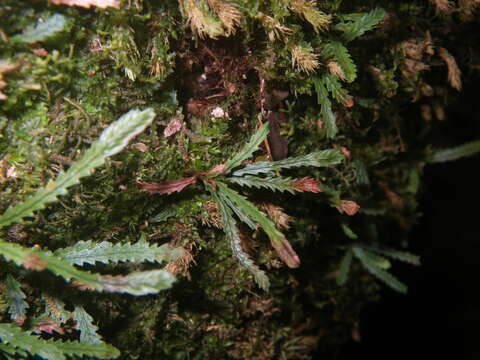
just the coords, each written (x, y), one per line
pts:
(25, 257)
(112, 140)
(455, 153)
(322, 158)
(138, 283)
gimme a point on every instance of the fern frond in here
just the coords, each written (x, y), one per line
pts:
(379, 272)
(84, 323)
(344, 269)
(272, 183)
(89, 252)
(112, 140)
(78, 349)
(40, 260)
(396, 254)
(323, 158)
(239, 212)
(248, 149)
(42, 31)
(16, 337)
(17, 306)
(326, 113)
(338, 52)
(455, 153)
(231, 231)
(277, 239)
(23, 342)
(138, 283)
(355, 25)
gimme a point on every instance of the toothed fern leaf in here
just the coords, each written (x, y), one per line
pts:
(455, 153)
(84, 323)
(326, 113)
(272, 183)
(89, 252)
(248, 149)
(23, 342)
(355, 25)
(377, 268)
(231, 231)
(321, 158)
(17, 306)
(112, 140)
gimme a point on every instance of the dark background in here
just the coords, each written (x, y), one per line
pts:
(440, 316)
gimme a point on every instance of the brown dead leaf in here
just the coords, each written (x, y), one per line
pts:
(167, 187)
(306, 184)
(335, 69)
(348, 207)
(102, 4)
(47, 326)
(278, 216)
(454, 73)
(285, 252)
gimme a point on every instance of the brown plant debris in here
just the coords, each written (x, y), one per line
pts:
(454, 73)
(278, 216)
(167, 187)
(348, 207)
